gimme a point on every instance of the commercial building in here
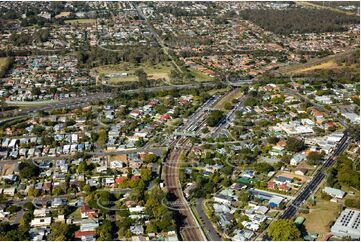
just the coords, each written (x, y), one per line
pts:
(347, 224)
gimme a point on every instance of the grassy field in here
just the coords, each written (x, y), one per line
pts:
(81, 21)
(159, 71)
(2, 61)
(318, 6)
(236, 93)
(321, 216)
(331, 64)
(319, 64)
(200, 76)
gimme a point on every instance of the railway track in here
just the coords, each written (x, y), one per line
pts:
(189, 227)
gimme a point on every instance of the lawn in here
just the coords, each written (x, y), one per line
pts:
(321, 216)
(158, 71)
(76, 214)
(154, 72)
(236, 93)
(200, 76)
(81, 21)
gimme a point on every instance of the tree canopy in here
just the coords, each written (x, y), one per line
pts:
(284, 230)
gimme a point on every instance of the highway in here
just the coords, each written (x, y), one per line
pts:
(65, 103)
(312, 186)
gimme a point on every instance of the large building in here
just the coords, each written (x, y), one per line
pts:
(347, 224)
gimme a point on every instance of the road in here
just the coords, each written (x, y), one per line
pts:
(65, 103)
(210, 231)
(190, 229)
(312, 186)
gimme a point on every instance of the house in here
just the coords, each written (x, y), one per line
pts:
(271, 185)
(224, 220)
(242, 235)
(89, 224)
(41, 222)
(250, 225)
(85, 235)
(221, 208)
(275, 201)
(296, 159)
(136, 209)
(57, 202)
(137, 229)
(10, 191)
(87, 212)
(301, 171)
(223, 199)
(333, 192)
(40, 212)
(248, 174)
(283, 180)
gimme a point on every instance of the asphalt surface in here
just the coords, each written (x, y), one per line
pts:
(65, 103)
(312, 186)
(210, 232)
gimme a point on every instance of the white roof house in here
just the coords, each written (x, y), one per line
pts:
(333, 192)
(41, 222)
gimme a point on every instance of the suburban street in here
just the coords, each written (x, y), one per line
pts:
(312, 186)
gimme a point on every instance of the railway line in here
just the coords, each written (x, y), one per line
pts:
(189, 230)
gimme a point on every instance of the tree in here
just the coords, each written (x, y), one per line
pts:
(273, 139)
(145, 174)
(105, 231)
(353, 202)
(141, 74)
(102, 138)
(59, 232)
(28, 170)
(284, 230)
(228, 106)
(214, 118)
(151, 158)
(294, 144)
(314, 158)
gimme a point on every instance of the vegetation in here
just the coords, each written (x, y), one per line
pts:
(284, 230)
(295, 144)
(314, 158)
(59, 232)
(344, 174)
(28, 170)
(293, 20)
(5, 65)
(214, 118)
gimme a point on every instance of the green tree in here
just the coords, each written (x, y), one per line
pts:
(314, 158)
(59, 232)
(28, 170)
(228, 106)
(294, 144)
(284, 230)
